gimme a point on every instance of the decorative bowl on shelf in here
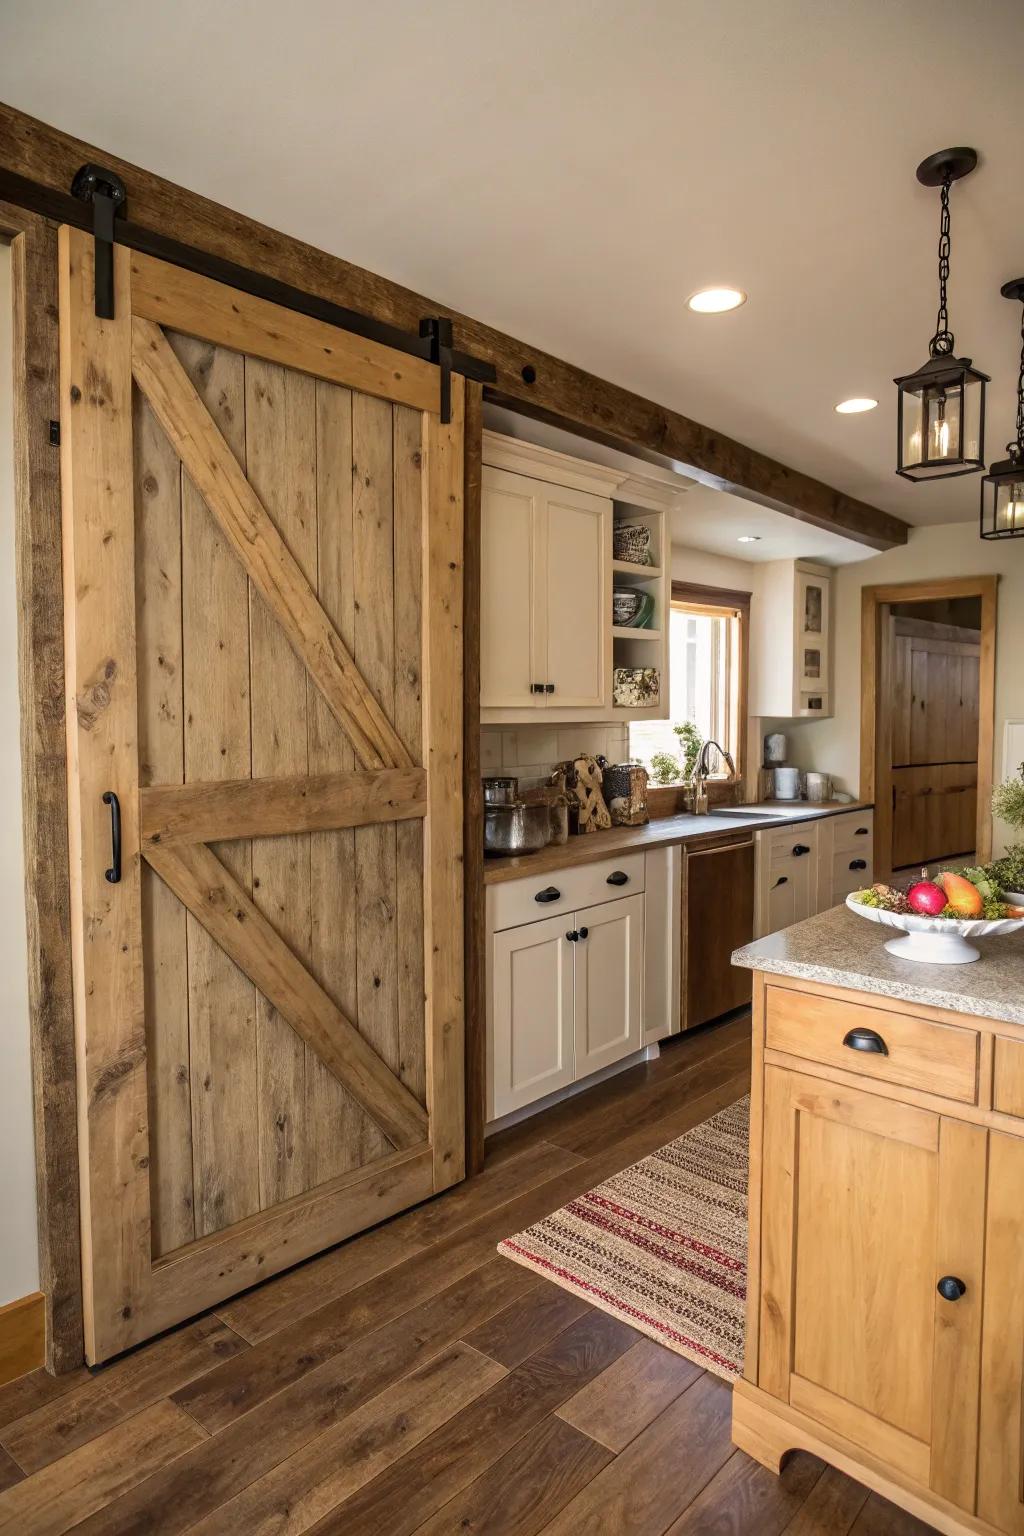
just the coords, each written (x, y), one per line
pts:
(626, 604)
(936, 940)
(632, 542)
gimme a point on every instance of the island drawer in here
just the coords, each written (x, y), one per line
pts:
(564, 890)
(1008, 1077)
(890, 1046)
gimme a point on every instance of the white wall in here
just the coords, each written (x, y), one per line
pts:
(953, 549)
(19, 1266)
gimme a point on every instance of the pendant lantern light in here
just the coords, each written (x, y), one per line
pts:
(941, 428)
(1002, 489)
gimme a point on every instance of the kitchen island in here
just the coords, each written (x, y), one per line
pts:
(885, 1300)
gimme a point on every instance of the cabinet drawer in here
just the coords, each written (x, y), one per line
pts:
(1008, 1081)
(854, 832)
(935, 1058)
(851, 871)
(582, 885)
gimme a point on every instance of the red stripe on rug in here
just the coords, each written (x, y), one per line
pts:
(682, 1238)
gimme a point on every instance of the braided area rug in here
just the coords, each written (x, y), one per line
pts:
(662, 1245)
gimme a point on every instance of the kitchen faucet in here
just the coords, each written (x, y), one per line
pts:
(700, 775)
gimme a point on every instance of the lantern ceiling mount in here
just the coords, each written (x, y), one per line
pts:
(941, 421)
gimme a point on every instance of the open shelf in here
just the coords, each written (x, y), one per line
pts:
(627, 568)
(623, 632)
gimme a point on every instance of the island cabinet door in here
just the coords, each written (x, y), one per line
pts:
(867, 1204)
(1000, 1454)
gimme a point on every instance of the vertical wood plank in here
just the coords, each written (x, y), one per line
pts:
(408, 720)
(215, 636)
(374, 653)
(473, 830)
(1001, 1423)
(336, 1123)
(99, 570)
(778, 1175)
(37, 523)
(161, 761)
(280, 435)
(442, 681)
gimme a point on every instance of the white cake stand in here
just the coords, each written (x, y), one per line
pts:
(936, 940)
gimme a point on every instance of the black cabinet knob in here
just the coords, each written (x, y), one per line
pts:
(549, 893)
(866, 1040)
(950, 1288)
(572, 936)
(584, 932)
(800, 848)
(617, 877)
(859, 864)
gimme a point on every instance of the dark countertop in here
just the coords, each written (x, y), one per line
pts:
(661, 833)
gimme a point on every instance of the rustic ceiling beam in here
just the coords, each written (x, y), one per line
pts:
(528, 380)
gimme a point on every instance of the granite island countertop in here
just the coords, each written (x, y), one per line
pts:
(660, 833)
(840, 949)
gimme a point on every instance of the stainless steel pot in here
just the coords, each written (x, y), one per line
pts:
(501, 791)
(516, 828)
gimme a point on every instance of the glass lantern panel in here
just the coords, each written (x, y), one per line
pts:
(972, 396)
(1009, 508)
(913, 417)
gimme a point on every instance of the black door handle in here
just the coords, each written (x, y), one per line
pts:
(573, 936)
(866, 1040)
(113, 874)
(584, 932)
(617, 877)
(536, 687)
(799, 848)
(859, 864)
(549, 893)
(782, 880)
(951, 1288)
(549, 687)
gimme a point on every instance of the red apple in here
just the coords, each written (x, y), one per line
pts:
(927, 898)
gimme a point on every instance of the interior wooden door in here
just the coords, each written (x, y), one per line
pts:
(263, 568)
(866, 1205)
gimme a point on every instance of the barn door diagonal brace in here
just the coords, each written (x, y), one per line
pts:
(438, 332)
(106, 192)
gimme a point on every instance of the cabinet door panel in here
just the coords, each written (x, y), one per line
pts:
(576, 599)
(532, 1013)
(866, 1204)
(1000, 1454)
(512, 641)
(609, 965)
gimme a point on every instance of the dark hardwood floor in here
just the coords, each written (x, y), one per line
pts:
(412, 1381)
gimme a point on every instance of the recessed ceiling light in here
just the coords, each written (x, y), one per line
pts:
(715, 301)
(855, 406)
(749, 538)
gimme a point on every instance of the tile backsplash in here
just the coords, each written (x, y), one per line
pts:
(531, 751)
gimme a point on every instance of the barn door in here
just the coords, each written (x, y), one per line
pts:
(263, 547)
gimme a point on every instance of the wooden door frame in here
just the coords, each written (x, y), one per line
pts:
(874, 736)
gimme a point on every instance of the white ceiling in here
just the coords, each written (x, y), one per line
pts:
(571, 170)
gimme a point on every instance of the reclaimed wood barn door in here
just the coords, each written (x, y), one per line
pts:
(263, 587)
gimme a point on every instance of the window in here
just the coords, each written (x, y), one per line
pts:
(707, 668)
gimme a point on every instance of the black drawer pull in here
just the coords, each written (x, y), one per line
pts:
(617, 877)
(573, 936)
(536, 687)
(951, 1288)
(859, 864)
(113, 874)
(799, 848)
(866, 1040)
(782, 880)
(549, 893)
(861, 832)
(584, 932)
(549, 687)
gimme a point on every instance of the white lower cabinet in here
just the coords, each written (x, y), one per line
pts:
(533, 1026)
(808, 867)
(608, 963)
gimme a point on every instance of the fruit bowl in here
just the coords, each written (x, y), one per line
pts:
(936, 940)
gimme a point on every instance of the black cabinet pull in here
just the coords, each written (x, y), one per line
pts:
(859, 864)
(866, 1040)
(549, 687)
(617, 877)
(113, 874)
(536, 687)
(861, 832)
(799, 848)
(583, 932)
(782, 880)
(572, 936)
(549, 893)
(951, 1288)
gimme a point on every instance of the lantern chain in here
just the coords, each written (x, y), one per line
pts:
(942, 342)
(1016, 449)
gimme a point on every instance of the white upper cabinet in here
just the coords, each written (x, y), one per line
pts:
(574, 580)
(512, 629)
(791, 641)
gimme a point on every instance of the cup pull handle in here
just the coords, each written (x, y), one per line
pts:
(549, 893)
(866, 1040)
(782, 880)
(617, 877)
(859, 864)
